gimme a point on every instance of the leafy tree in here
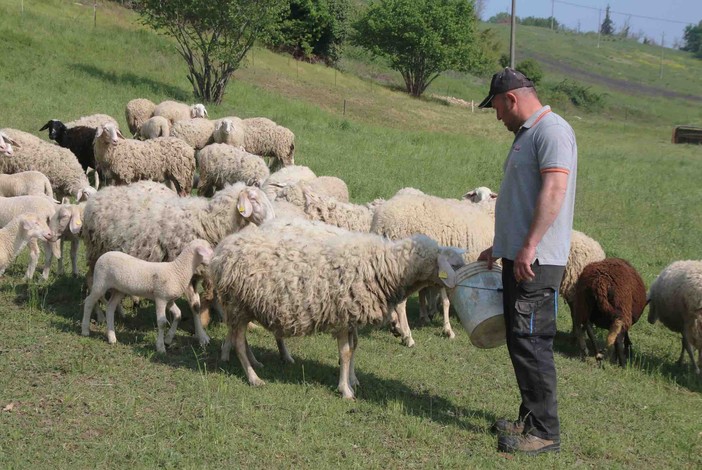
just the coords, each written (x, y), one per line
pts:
(693, 40)
(213, 36)
(540, 22)
(502, 18)
(314, 29)
(607, 27)
(421, 38)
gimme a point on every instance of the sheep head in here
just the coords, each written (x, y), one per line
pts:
(254, 206)
(6, 144)
(480, 194)
(34, 227)
(56, 128)
(198, 111)
(108, 133)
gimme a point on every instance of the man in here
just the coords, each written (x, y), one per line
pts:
(533, 222)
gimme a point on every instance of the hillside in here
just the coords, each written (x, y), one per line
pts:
(74, 402)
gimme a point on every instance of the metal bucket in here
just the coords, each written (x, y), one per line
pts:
(477, 299)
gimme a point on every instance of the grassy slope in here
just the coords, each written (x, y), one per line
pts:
(78, 401)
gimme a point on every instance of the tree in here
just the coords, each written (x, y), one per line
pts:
(607, 27)
(213, 36)
(421, 38)
(693, 40)
(502, 18)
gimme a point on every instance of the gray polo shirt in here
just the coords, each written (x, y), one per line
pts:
(544, 143)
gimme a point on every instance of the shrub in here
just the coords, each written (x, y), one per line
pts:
(531, 69)
(579, 95)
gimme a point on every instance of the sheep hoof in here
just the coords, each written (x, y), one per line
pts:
(161, 348)
(347, 394)
(450, 334)
(85, 332)
(287, 360)
(204, 341)
(409, 342)
(111, 338)
(256, 382)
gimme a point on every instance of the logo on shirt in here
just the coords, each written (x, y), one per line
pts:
(516, 148)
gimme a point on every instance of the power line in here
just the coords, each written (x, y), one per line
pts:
(621, 13)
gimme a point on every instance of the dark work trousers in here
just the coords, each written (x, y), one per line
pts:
(530, 310)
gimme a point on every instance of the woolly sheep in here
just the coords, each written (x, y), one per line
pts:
(137, 112)
(195, 132)
(56, 163)
(266, 138)
(94, 121)
(175, 111)
(149, 222)
(126, 160)
(77, 139)
(221, 164)
(330, 186)
(66, 223)
(326, 209)
(609, 294)
(480, 194)
(229, 130)
(21, 230)
(157, 126)
(161, 282)
(449, 221)
(285, 177)
(25, 183)
(321, 283)
(676, 300)
(42, 207)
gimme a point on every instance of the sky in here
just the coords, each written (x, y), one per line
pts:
(667, 17)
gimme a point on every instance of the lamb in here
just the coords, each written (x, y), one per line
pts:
(149, 222)
(157, 126)
(175, 111)
(266, 138)
(229, 130)
(609, 294)
(166, 159)
(66, 223)
(137, 112)
(17, 233)
(25, 183)
(449, 221)
(161, 282)
(196, 132)
(77, 139)
(480, 194)
(94, 121)
(321, 283)
(221, 164)
(676, 300)
(56, 163)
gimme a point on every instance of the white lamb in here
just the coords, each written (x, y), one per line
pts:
(297, 285)
(17, 233)
(175, 111)
(157, 126)
(675, 298)
(66, 223)
(25, 183)
(163, 283)
(137, 112)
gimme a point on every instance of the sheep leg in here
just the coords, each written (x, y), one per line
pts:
(161, 322)
(353, 342)
(283, 351)
(90, 302)
(196, 308)
(33, 258)
(345, 354)
(446, 304)
(688, 347)
(591, 335)
(241, 347)
(405, 331)
(75, 243)
(48, 256)
(423, 312)
(110, 314)
(227, 345)
(252, 359)
(571, 307)
(681, 359)
(580, 338)
(615, 331)
(59, 262)
(175, 311)
(619, 348)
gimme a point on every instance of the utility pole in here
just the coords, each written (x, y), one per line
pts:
(599, 26)
(660, 74)
(552, 6)
(511, 35)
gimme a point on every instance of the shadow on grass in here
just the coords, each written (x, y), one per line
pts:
(156, 87)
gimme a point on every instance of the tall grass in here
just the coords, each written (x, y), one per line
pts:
(79, 402)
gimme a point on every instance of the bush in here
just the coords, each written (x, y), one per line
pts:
(531, 69)
(579, 95)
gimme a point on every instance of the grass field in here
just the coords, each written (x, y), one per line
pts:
(69, 401)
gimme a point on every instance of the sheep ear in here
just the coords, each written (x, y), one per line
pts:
(218, 125)
(79, 195)
(12, 141)
(447, 275)
(65, 200)
(493, 195)
(99, 131)
(469, 194)
(244, 205)
(46, 126)
(119, 134)
(75, 224)
(205, 111)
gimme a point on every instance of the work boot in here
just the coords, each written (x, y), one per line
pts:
(505, 426)
(527, 444)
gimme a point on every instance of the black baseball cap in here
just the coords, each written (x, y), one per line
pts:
(505, 80)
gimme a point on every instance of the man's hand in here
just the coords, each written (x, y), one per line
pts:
(522, 264)
(486, 255)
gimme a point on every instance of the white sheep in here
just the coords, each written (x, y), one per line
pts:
(25, 183)
(295, 285)
(221, 164)
(175, 111)
(165, 159)
(449, 221)
(330, 186)
(266, 138)
(137, 112)
(156, 126)
(480, 194)
(17, 233)
(66, 223)
(675, 298)
(195, 132)
(44, 208)
(27, 152)
(94, 121)
(149, 222)
(327, 209)
(285, 177)
(229, 130)
(161, 282)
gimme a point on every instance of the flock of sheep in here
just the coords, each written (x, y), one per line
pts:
(273, 242)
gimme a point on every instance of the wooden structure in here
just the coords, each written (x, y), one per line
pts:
(687, 135)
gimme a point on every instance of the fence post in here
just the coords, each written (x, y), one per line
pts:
(344, 108)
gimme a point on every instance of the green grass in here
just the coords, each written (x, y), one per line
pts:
(78, 402)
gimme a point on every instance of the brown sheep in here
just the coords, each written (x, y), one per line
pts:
(609, 294)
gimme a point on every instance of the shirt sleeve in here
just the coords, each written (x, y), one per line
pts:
(555, 148)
